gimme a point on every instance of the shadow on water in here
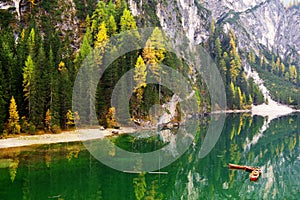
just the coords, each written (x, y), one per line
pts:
(68, 171)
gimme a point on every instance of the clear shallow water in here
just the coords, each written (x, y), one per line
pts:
(68, 171)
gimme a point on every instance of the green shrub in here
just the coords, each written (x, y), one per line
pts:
(32, 129)
(55, 129)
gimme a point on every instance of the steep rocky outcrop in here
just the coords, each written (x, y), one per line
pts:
(258, 24)
(62, 15)
(182, 16)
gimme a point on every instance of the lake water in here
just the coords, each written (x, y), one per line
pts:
(68, 171)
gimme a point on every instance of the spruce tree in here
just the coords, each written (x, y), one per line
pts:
(53, 90)
(39, 93)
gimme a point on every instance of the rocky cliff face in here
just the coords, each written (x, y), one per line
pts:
(180, 16)
(62, 15)
(258, 24)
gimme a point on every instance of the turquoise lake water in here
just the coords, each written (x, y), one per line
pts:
(69, 171)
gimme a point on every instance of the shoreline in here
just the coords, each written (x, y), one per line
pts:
(271, 111)
(66, 136)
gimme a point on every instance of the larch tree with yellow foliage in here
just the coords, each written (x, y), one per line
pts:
(13, 121)
(140, 75)
(48, 119)
(28, 78)
(127, 21)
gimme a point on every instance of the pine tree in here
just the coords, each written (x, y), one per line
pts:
(13, 121)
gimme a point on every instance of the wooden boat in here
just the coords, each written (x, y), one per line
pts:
(254, 175)
(255, 172)
(241, 167)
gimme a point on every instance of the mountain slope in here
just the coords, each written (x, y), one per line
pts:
(260, 23)
(265, 27)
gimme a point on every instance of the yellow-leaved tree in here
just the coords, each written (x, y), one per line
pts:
(48, 119)
(13, 121)
(110, 118)
(70, 118)
(140, 75)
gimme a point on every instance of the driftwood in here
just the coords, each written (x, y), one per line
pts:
(169, 125)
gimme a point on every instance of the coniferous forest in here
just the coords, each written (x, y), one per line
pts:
(39, 64)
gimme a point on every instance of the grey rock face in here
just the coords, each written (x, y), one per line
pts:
(180, 16)
(258, 24)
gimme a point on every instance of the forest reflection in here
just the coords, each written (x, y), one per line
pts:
(68, 171)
